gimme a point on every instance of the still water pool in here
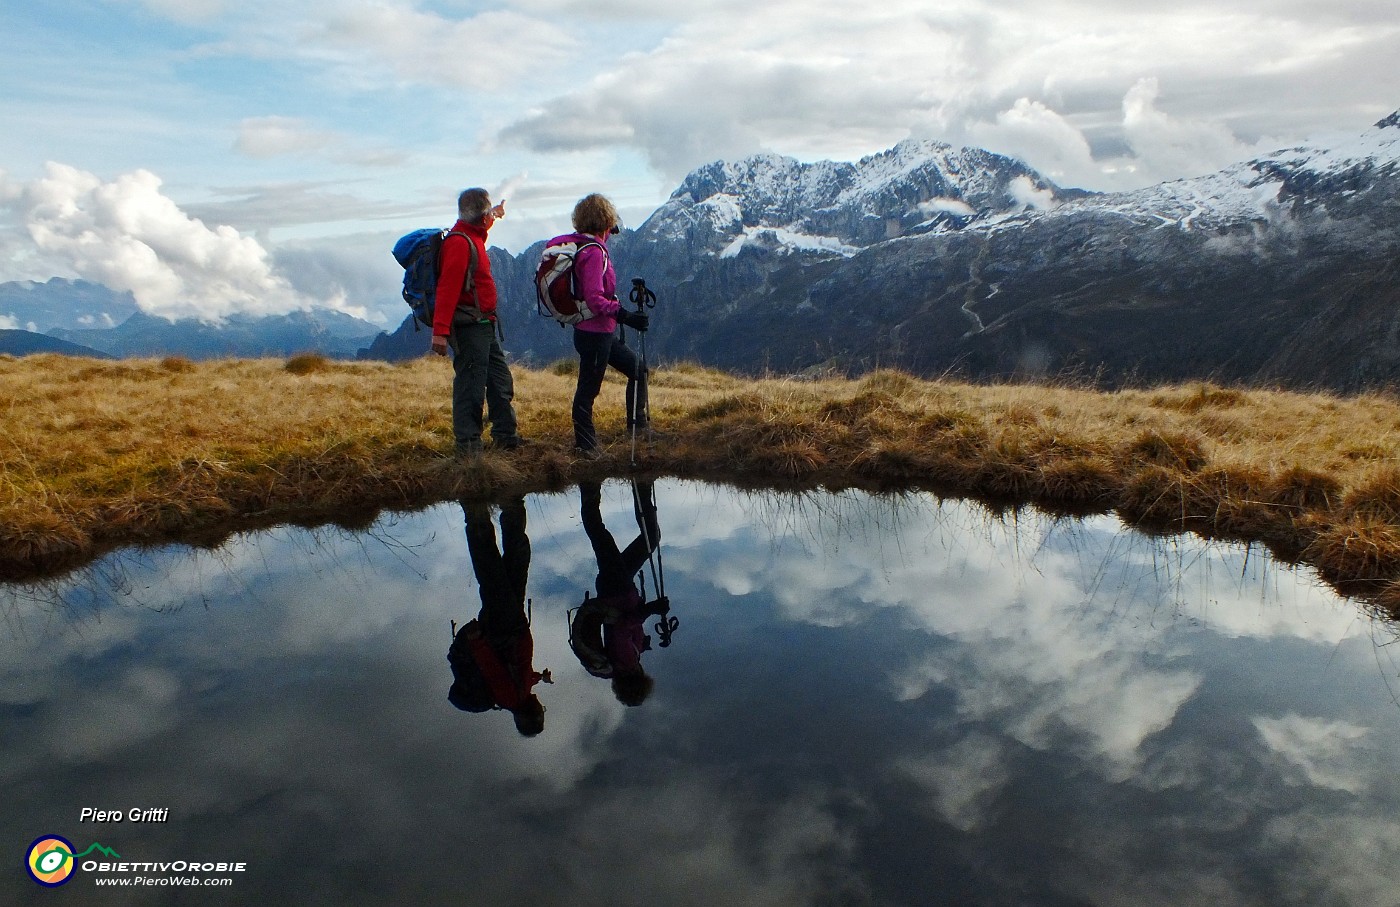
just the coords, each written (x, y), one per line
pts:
(864, 700)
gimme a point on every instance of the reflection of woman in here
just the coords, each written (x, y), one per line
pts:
(492, 656)
(607, 633)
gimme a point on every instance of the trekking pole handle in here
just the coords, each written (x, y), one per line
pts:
(640, 295)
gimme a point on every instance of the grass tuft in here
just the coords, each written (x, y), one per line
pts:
(307, 364)
(1177, 450)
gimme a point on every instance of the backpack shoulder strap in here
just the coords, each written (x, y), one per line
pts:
(468, 282)
(471, 254)
(578, 250)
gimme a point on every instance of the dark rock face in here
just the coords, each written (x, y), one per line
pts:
(26, 343)
(103, 320)
(59, 303)
(323, 331)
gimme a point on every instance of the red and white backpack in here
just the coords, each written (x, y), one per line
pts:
(555, 290)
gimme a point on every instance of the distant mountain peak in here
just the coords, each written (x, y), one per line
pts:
(910, 152)
(1390, 122)
(773, 204)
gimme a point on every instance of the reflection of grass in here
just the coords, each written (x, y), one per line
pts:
(98, 453)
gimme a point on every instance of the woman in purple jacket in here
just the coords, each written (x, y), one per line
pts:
(597, 340)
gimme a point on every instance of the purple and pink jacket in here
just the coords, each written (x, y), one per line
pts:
(626, 640)
(595, 281)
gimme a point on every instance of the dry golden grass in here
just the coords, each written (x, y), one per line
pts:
(95, 454)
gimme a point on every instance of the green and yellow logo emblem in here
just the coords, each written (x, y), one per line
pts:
(51, 860)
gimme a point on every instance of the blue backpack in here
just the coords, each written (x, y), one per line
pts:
(418, 253)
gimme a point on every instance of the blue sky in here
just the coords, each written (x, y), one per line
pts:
(215, 156)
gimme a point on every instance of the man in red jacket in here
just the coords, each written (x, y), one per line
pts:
(464, 319)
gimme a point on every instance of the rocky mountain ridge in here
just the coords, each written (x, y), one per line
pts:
(1280, 270)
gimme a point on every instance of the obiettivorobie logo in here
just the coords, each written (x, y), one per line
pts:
(51, 859)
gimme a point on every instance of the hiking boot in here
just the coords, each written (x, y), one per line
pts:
(588, 453)
(514, 442)
(471, 450)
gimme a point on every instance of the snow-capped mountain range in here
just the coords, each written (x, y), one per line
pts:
(1281, 269)
(840, 208)
(925, 187)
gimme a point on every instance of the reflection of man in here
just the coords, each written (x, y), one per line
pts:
(607, 632)
(492, 656)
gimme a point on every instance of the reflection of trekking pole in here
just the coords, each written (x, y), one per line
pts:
(661, 607)
(641, 408)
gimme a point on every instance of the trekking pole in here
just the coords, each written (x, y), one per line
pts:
(642, 298)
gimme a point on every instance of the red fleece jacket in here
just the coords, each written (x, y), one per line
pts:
(452, 274)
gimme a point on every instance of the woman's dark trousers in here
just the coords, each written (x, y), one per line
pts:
(596, 352)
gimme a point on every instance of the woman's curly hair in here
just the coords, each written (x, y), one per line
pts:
(594, 214)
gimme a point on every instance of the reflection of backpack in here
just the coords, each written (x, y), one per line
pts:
(470, 692)
(586, 637)
(418, 252)
(555, 291)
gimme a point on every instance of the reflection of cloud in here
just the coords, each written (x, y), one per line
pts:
(705, 844)
(1359, 853)
(1053, 621)
(1325, 751)
(961, 779)
(1116, 704)
(91, 724)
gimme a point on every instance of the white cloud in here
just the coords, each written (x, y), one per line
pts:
(188, 11)
(272, 136)
(812, 82)
(1024, 192)
(8, 323)
(127, 235)
(797, 80)
(1030, 130)
(947, 205)
(10, 189)
(490, 51)
(1175, 145)
(268, 137)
